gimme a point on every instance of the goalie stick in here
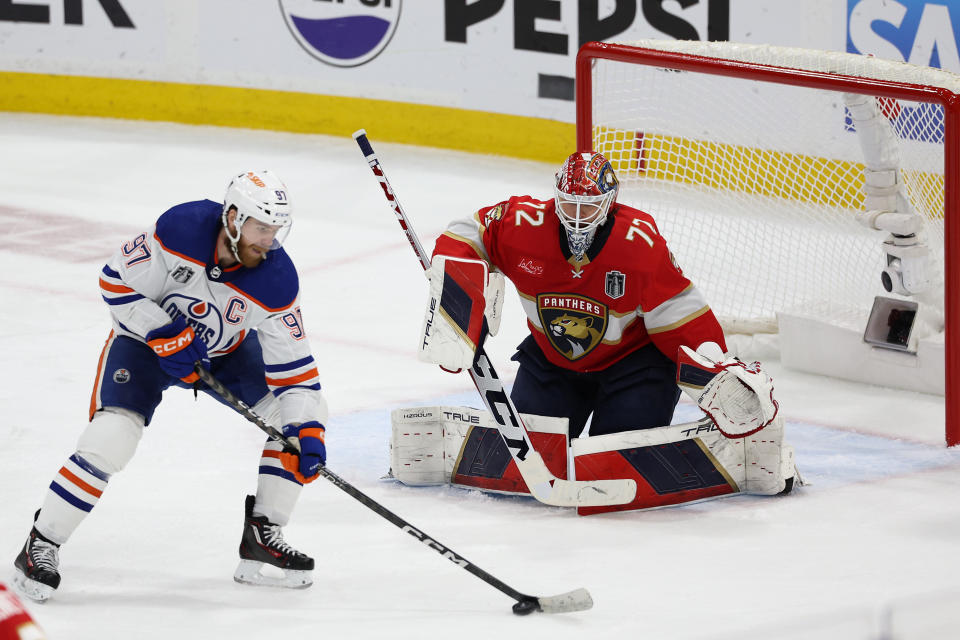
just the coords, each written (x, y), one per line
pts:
(543, 485)
(576, 600)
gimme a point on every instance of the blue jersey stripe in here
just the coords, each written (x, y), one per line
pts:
(283, 473)
(312, 387)
(123, 300)
(296, 364)
(107, 271)
(89, 468)
(69, 497)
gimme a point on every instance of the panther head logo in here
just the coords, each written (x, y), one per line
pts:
(574, 325)
(577, 333)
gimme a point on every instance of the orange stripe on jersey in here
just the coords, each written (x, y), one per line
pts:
(114, 288)
(269, 453)
(96, 382)
(247, 295)
(179, 255)
(283, 382)
(66, 473)
(233, 347)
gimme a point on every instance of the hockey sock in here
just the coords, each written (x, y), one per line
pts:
(74, 492)
(277, 489)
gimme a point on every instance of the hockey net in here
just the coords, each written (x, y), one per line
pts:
(750, 161)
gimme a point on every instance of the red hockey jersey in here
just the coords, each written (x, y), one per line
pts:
(15, 620)
(625, 292)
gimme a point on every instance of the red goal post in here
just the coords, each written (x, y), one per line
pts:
(750, 161)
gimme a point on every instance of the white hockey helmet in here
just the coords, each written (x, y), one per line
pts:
(260, 195)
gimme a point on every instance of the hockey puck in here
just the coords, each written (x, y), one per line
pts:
(526, 607)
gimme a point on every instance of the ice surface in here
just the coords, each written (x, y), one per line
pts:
(869, 548)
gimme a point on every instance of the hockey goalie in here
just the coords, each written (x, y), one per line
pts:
(616, 330)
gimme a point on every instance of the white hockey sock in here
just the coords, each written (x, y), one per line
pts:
(74, 492)
(277, 489)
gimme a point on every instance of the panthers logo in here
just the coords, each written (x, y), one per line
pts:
(574, 325)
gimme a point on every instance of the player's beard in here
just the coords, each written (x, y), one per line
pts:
(251, 255)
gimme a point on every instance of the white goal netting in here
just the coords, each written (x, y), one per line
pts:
(757, 184)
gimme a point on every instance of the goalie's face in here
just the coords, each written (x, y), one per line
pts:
(581, 214)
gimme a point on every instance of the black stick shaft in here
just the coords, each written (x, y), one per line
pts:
(244, 410)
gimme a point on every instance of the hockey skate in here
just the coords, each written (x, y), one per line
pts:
(37, 575)
(263, 552)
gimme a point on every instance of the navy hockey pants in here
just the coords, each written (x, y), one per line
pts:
(130, 376)
(637, 392)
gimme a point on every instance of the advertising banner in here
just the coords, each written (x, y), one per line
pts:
(513, 58)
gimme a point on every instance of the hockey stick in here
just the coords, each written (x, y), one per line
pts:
(544, 486)
(576, 600)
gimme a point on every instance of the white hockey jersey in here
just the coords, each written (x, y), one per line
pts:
(172, 271)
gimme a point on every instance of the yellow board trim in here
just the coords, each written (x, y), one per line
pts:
(448, 128)
(777, 174)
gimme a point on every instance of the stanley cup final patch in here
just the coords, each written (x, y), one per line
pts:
(573, 324)
(614, 284)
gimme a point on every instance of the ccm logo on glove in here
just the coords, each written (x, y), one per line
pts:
(163, 347)
(178, 348)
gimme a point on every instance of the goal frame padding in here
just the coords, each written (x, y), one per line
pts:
(949, 100)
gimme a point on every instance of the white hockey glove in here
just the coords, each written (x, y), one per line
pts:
(738, 397)
(465, 304)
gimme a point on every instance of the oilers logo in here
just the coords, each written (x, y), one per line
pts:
(574, 324)
(206, 319)
(344, 33)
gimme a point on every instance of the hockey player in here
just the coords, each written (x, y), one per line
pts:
(15, 621)
(209, 283)
(610, 315)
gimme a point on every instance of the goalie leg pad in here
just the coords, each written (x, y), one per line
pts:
(686, 462)
(462, 446)
(671, 465)
(768, 460)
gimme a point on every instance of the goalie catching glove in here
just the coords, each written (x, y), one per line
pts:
(738, 397)
(466, 299)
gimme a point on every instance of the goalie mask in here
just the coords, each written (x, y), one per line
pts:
(260, 196)
(585, 190)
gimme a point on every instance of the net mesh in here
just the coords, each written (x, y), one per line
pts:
(756, 185)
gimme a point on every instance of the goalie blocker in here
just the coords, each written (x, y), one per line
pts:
(466, 299)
